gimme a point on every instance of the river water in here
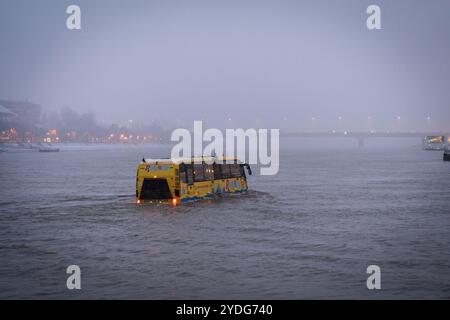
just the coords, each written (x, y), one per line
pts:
(309, 232)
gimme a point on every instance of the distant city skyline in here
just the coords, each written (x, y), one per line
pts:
(336, 125)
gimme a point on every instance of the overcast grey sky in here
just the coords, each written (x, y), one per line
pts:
(260, 63)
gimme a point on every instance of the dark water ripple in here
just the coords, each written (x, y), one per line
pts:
(309, 232)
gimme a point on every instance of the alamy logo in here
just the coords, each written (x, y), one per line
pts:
(374, 280)
(257, 152)
(74, 280)
(73, 21)
(374, 20)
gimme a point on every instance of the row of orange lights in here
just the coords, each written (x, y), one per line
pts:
(174, 201)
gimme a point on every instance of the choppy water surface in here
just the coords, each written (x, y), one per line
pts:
(308, 232)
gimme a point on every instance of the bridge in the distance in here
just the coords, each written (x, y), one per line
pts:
(362, 136)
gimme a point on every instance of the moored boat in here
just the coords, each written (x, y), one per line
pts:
(48, 149)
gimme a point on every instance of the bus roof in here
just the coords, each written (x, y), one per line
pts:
(190, 160)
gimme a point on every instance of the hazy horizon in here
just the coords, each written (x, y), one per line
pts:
(293, 65)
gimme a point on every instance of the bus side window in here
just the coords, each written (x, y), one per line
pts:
(226, 171)
(189, 174)
(235, 170)
(208, 171)
(199, 174)
(183, 176)
(182, 171)
(242, 170)
(217, 171)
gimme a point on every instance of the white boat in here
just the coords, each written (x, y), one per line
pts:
(434, 143)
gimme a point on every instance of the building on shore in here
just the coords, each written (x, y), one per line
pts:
(22, 115)
(6, 115)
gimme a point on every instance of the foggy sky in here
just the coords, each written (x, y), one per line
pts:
(272, 64)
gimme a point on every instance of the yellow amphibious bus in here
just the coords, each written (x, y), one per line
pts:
(189, 179)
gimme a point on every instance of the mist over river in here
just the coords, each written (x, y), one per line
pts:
(308, 232)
